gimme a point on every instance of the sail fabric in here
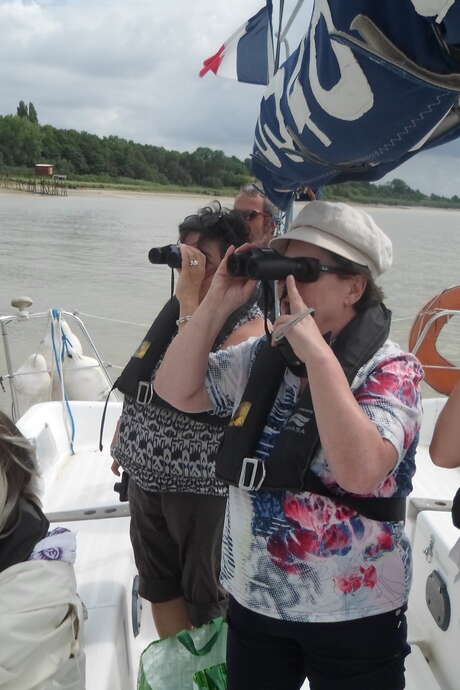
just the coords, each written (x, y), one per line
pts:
(370, 85)
(433, 8)
(247, 55)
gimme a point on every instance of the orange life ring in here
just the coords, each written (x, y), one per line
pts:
(444, 379)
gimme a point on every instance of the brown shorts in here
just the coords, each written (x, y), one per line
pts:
(177, 540)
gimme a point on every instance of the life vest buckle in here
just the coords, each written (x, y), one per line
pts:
(144, 392)
(245, 468)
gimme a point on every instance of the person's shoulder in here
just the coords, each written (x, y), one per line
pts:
(392, 352)
(253, 328)
(250, 347)
(390, 359)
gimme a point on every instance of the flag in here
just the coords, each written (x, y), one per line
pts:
(247, 55)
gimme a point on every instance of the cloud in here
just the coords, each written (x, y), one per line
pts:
(435, 171)
(131, 69)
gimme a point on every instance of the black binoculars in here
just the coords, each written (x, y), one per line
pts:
(268, 264)
(256, 264)
(169, 255)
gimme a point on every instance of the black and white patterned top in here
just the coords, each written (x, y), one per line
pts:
(169, 451)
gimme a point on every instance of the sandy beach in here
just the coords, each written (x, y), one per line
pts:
(108, 193)
(114, 193)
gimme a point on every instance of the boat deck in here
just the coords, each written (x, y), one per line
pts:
(80, 487)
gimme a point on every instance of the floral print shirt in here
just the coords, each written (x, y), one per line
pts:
(303, 557)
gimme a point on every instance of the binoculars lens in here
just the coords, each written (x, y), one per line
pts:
(169, 255)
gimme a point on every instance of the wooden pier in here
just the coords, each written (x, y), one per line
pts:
(40, 185)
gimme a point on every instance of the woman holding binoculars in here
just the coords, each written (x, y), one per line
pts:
(319, 457)
(177, 504)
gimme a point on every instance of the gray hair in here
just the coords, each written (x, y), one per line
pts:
(253, 189)
(18, 470)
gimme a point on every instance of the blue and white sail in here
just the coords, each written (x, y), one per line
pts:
(369, 85)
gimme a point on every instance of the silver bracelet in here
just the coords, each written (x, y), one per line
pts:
(183, 319)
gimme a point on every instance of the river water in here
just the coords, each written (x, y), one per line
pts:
(88, 252)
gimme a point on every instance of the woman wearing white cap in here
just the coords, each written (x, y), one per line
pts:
(314, 554)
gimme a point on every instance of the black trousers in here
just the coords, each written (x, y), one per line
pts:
(269, 654)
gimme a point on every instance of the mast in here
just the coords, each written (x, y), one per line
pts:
(287, 216)
(279, 38)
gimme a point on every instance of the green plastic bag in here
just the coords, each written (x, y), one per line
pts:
(213, 678)
(170, 663)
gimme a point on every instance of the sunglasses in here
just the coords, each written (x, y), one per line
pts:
(251, 214)
(309, 269)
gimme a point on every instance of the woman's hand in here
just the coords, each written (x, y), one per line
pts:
(191, 274)
(226, 290)
(304, 337)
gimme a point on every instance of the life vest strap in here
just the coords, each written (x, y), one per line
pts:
(144, 392)
(392, 509)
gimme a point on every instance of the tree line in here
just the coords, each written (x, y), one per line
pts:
(396, 192)
(24, 142)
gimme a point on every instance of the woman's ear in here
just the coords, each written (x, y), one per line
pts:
(357, 286)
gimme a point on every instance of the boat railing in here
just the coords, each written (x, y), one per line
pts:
(116, 510)
(23, 304)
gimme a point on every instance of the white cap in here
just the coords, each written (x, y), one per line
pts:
(345, 230)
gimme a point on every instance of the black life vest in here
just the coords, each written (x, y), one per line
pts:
(288, 466)
(28, 525)
(136, 378)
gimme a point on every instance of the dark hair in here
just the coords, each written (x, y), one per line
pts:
(373, 294)
(18, 471)
(253, 189)
(216, 223)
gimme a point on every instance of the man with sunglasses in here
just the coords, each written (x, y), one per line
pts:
(314, 554)
(258, 212)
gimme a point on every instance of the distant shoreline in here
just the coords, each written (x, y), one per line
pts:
(143, 194)
(115, 193)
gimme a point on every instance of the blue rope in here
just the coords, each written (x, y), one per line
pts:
(65, 345)
(56, 313)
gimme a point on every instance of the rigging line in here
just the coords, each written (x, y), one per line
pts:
(56, 318)
(291, 19)
(453, 367)
(5, 377)
(65, 351)
(106, 318)
(278, 42)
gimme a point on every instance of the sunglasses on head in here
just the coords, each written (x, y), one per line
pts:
(206, 220)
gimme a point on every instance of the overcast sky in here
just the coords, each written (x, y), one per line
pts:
(130, 68)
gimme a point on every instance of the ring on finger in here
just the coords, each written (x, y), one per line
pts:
(194, 262)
